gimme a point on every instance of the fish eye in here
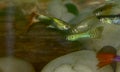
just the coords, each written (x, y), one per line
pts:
(71, 37)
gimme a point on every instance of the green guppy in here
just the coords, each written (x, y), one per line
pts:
(92, 33)
(51, 21)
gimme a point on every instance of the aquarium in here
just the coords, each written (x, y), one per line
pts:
(59, 35)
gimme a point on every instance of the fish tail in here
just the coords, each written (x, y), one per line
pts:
(97, 32)
(30, 21)
(117, 59)
(105, 59)
(34, 18)
(102, 64)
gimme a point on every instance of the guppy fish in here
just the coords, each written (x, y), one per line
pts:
(107, 55)
(59, 24)
(104, 9)
(93, 33)
(54, 22)
(110, 19)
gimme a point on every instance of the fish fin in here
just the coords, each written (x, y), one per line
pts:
(31, 21)
(104, 59)
(97, 32)
(50, 26)
(102, 64)
(35, 18)
(117, 59)
(44, 17)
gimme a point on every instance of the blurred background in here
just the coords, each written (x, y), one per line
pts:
(40, 45)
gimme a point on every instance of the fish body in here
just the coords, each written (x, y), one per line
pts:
(51, 21)
(104, 9)
(93, 33)
(109, 19)
(77, 36)
(59, 24)
(107, 56)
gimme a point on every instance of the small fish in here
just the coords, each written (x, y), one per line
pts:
(110, 19)
(59, 24)
(104, 9)
(52, 21)
(106, 56)
(84, 25)
(93, 33)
